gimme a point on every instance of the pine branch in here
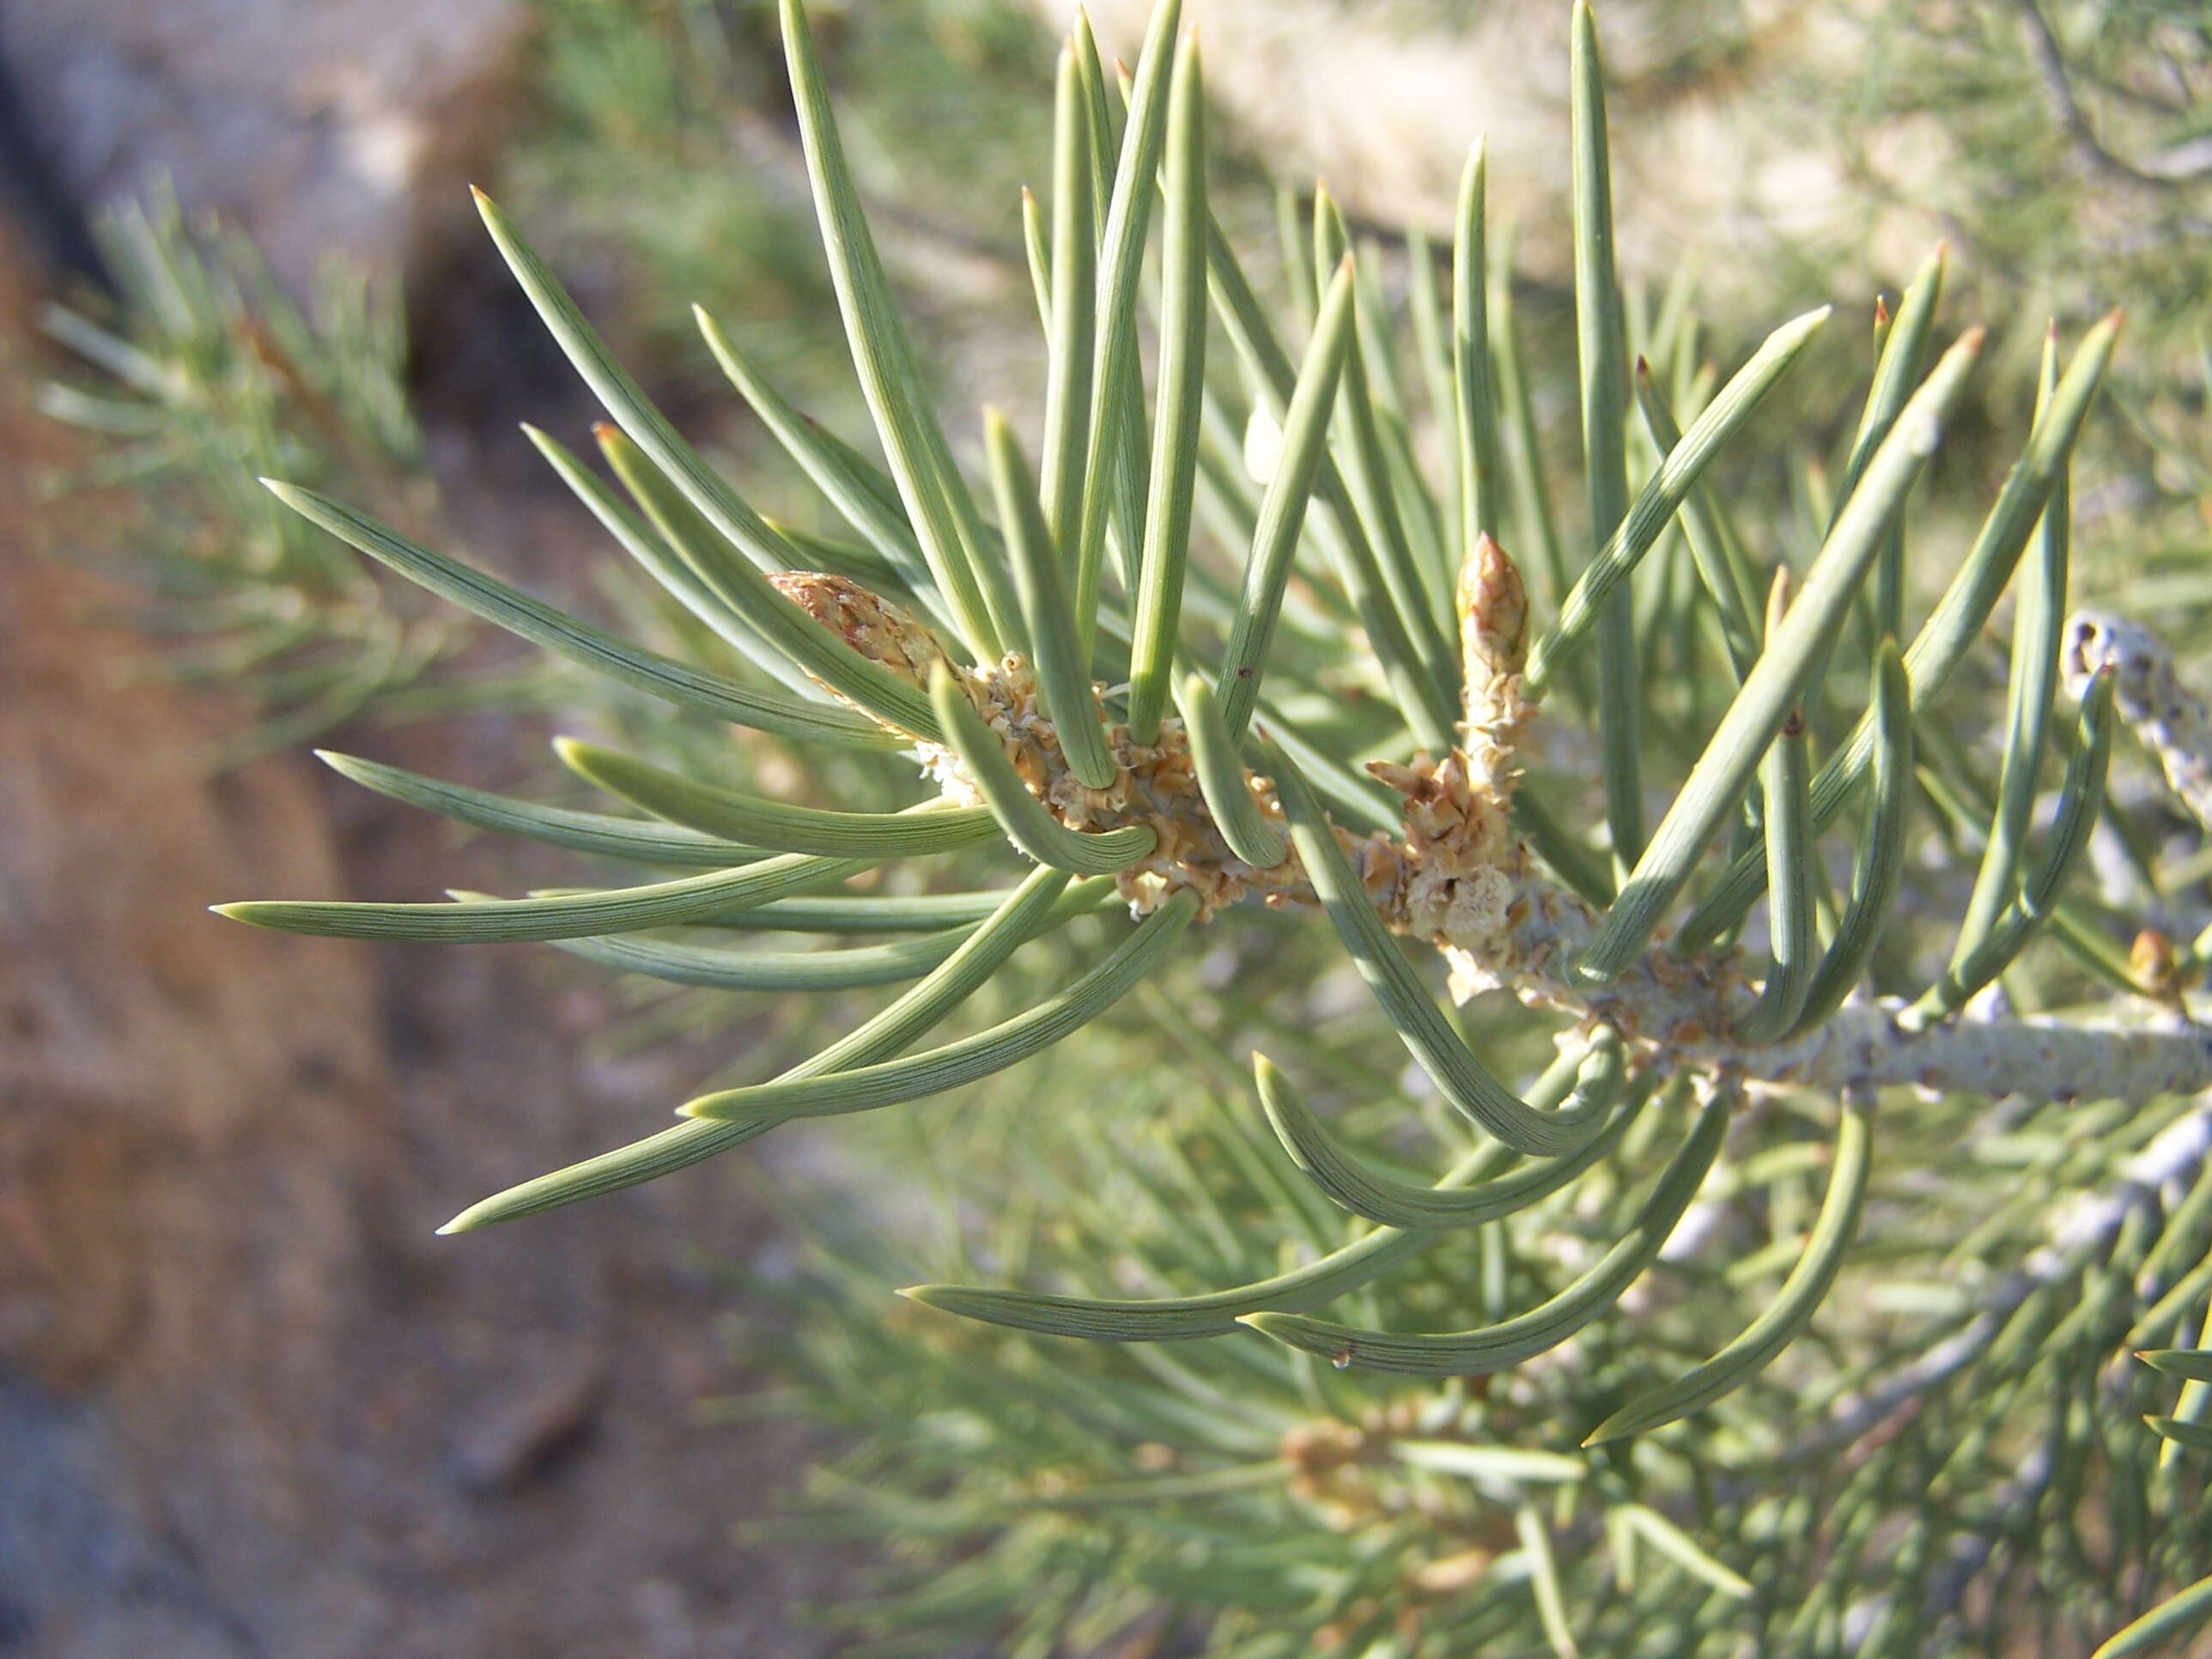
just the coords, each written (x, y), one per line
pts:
(2173, 722)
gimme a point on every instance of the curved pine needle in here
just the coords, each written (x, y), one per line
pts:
(1528, 489)
(1070, 287)
(2173, 1620)
(1181, 1318)
(1115, 374)
(1406, 1002)
(864, 498)
(1878, 866)
(636, 538)
(805, 643)
(1424, 703)
(1348, 790)
(1600, 348)
(1491, 1348)
(1020, 813)
(1363, 462)
(2031, 692)
(1793, 654)
(1344, 1182)
(1793, 947)
(1800, 1297)
(1684, 1551)
(893, 1082)
(884, 913)
(1017, 917)
(1721, 568)
(622, 398)
(1214, 1313)
(1493, 1466)
(1037, 253)
(2081, 800)
(637, 840)
(1223, 781)
(673, 682)
(718, 968)
(1283, 508)
(712, 967)
(1543, 1566)
(935, 826)
(1164, 563)
(2189, 1364)
(2190, 1436)
(1574, 864)
(1902, 347)
(1951, 629)
(566, 915)
(1478, 479)
(942, 513)
(1056, 642)
(1663, 495)
(1433, 320)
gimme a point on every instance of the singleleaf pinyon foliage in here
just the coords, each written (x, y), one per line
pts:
(1222, 641)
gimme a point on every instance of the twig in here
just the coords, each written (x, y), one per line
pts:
(2185, 162)
(2172, 720)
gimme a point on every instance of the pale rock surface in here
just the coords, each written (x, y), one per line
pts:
(310, 122)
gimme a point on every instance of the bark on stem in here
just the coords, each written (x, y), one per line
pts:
(1461, 880)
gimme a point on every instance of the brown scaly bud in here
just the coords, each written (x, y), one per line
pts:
(1493, 611)
(2156, 965)
(1322, 1446)
(1493, 631)
(875, 628)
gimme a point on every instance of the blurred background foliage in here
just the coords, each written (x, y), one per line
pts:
(1034, 1496)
